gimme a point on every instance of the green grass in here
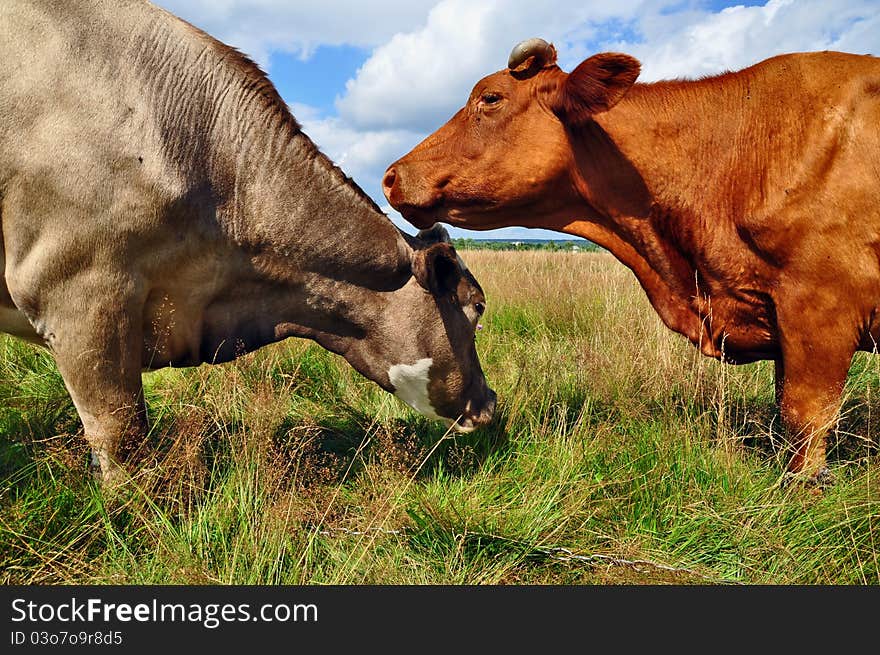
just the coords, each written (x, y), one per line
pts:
(619, 455)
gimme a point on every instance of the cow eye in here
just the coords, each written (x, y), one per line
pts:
(491, 98)
(480, 307)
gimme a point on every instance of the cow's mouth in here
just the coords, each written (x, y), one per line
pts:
(471, 214)
(424, 203)
(462, 426)
(421, 217)
(474, 417)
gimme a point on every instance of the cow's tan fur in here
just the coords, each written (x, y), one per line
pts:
(161, 206)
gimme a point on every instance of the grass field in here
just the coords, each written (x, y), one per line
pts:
(619, 455)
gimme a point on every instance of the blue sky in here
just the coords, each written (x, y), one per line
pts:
(318, 79)
(369, 80)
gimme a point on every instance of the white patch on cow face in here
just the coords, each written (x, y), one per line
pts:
(411, 385)
(471, 314)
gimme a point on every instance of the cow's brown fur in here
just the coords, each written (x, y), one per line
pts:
(747, 204)
(160, 206)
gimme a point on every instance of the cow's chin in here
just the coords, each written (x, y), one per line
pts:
(423, 219)
(471, 216)
(462, 426)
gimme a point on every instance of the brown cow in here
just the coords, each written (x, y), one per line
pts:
(160, 207)
(747, 204)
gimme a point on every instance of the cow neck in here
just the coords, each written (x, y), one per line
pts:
(238, 148)
(304, 238)
(291, 202)
(318, 239)
(647, 171)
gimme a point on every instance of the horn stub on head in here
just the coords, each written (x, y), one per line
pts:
(543, 52)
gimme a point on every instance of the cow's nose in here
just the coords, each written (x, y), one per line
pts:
(488, 410)
(388, 183)
(483, 415)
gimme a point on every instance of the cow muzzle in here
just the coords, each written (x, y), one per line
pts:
(475, 418)
(417, 203)
(390, 187)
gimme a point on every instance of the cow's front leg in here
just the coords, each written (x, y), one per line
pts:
(114, 420)
(95, 335)
(810, 381)
(779, 380)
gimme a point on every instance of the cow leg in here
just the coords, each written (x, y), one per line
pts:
(102, 372)
(810, 380)
(779, 379)
(92, 326)
(114, 420)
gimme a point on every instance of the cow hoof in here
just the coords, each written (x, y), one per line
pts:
(823, 478)
(109, 475)
(95, 468)
(816, 483)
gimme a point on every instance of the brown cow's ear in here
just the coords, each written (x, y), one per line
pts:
(436, 269)
(596, 85)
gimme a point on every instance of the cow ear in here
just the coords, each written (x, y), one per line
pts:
(436, 269)
(437, 233)
(596, 85)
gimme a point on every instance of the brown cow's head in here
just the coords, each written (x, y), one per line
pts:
(505, 158)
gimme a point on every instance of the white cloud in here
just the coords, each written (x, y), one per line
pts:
(362, 154)
(740, 36)
(260, 27)
(419, 78)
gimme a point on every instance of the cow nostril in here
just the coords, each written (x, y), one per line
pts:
(489, 409)
(483, 414)
(388, 182)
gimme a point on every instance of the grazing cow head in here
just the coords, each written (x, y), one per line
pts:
(506, 158)
(423, 346)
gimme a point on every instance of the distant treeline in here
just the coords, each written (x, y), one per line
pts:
(579, 245)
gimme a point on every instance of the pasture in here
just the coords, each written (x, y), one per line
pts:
(618, 455)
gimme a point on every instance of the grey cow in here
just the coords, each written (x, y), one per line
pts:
(161, 207)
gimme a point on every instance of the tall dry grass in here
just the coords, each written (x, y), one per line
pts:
(619, 454)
